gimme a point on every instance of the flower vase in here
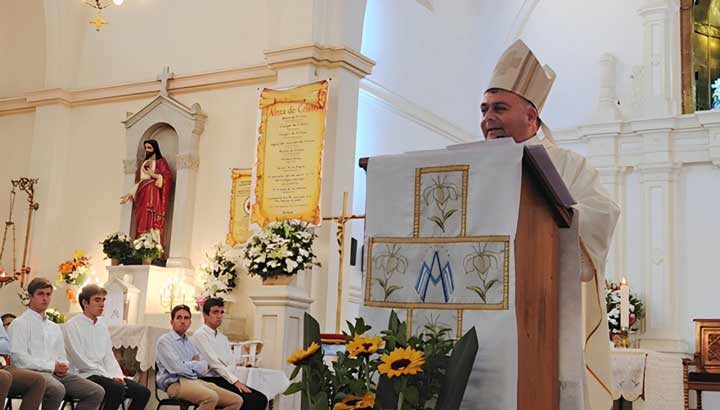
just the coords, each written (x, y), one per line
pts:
(278, 280)
(147, 261)
(114, 261)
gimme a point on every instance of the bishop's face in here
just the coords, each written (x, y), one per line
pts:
(505, 114)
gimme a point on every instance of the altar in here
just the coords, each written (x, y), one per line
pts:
(650, 380)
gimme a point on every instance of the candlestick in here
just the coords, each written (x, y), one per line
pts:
(624, 304)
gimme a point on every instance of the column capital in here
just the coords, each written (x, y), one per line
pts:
(320, 56)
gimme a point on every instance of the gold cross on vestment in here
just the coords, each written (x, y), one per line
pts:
(340, 236)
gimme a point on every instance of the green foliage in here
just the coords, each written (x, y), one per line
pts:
(323, 387)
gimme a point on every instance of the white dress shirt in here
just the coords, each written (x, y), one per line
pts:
(89, 348)
(36, 342)
(214, 348)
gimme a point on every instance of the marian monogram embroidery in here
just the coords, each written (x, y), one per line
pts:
(439, 273)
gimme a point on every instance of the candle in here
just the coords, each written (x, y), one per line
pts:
(624, 304)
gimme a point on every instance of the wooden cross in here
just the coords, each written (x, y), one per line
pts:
(164, 77)
(340, 236)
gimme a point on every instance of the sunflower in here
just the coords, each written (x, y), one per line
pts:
(352, 402)
(401, 362)
(301, 354)
(366, 403)
(361, 345)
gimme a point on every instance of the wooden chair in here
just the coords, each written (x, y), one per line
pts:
(706, 362)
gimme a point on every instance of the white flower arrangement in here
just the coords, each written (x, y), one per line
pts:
(147, 245)
(281, 248)
(117, 246)
(612, 300)
(221, 272)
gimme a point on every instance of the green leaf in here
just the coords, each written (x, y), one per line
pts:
(490, 284)
(438, 222)
(458, 372)
(385, 394)
(480, 292)
(311, 331)
(412, 395)
(295, 372)
(448, 214)
(389, 291)
(320, 402)
(293, 388)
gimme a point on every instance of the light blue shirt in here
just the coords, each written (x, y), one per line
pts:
(174, 360)
(4, 342)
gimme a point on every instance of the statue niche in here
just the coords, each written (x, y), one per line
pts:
(152, 196)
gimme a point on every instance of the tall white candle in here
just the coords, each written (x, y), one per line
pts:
(624, 304)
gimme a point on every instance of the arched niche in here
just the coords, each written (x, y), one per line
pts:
(179, 128)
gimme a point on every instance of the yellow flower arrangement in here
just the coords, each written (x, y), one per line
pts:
(366, 403)
(301, 355)
(363, 345)
(401, 362)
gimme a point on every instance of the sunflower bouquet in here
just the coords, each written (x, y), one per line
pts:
(392, 371)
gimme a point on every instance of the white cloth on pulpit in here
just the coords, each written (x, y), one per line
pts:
(440, 230)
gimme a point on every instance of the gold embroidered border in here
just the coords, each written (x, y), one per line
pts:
(442, 306)
(459, 333)
(237, 212)
(465, 169)
(409, 322)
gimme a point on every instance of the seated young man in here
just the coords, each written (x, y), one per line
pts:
(27, 384)
(37, 344)
(214, 348)
(89, 348)
(180, 367)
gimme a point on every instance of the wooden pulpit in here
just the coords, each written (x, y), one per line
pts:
(545, 207)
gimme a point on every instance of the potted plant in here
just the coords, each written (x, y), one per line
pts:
(386, 371)
(148, 247)
(279, 251)
(221, 272)
(117, 247)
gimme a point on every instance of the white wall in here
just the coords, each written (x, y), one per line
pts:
(442, 59)
(188, 37)
(22, 47)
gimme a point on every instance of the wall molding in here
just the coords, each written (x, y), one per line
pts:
(411, 111)
(319, 56)
(312, 54)
(693, 138)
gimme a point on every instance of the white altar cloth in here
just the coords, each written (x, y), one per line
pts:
(141, 336)
(650, 379)
(267, 381)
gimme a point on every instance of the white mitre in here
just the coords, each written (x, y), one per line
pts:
(520, 72)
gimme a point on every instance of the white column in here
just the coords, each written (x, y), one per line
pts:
(613, 179)
(49, 163)
(607, 109)
(279, 312)
(184, 210)
(660, 57)
(603, 154)
(311, 41)
(659, 174)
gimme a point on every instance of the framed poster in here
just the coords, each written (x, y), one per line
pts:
(289, 154)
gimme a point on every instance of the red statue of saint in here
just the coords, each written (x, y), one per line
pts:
(151, 196)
